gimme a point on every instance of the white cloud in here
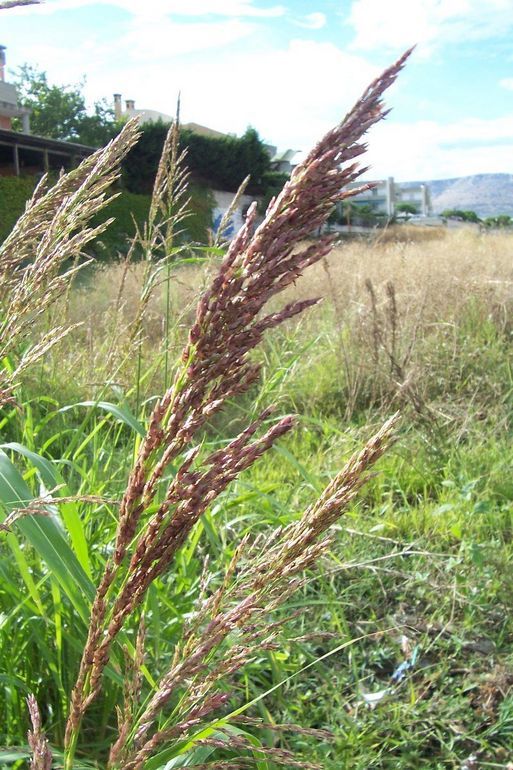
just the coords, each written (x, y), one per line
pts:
(506, 83)
(314, 20)
(291, 95)
(159, 8)
(398, 24)
(221, 8)
(140, 57)
(155, 44)
(432, 150)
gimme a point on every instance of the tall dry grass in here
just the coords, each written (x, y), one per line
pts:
(40, 257)
(382, 300)
(439, 268)
(390, 304)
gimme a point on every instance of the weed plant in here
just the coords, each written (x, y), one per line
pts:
(190, 710)
(395, 651)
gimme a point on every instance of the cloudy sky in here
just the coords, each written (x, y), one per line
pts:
(292, 69)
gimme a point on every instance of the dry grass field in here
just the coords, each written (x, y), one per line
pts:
(383, 300)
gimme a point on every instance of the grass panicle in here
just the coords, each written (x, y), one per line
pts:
(214, 367)
(41, 758)
(38, 259)
(6, 4)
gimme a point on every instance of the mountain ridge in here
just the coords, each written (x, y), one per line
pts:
(486, 194)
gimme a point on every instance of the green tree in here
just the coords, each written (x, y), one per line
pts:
(465, 216)
(347, 214)
(501, 220)
(406, 208)
(360, 214)
(59, 112)
(100, 127)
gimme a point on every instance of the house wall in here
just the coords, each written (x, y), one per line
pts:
(380, 198)
(223, 201)
(9, 108)
(419, 196)
(8, 104)
(8, 94)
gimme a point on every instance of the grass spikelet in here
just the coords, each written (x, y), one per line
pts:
(41, 758)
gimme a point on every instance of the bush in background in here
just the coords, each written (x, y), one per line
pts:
(129, 210)
(14, 192)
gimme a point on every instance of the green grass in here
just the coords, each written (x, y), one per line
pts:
(419, 573)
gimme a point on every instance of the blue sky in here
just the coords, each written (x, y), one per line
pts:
(292, 69)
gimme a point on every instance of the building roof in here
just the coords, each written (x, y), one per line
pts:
(286, 156)
(154, 116)
(149, 116)
(197, 128)
(31, 141)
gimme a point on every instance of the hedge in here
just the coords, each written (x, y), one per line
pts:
(128, 210)
(14, 192)
(220, 163)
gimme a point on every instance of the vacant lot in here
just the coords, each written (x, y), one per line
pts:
(402, 647)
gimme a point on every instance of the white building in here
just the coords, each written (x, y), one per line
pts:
(223, 201)
(282, 161)
(386, 195)
(381, 198)
(416, 194)
(9, 107)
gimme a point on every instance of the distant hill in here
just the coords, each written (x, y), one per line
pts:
(486, 194)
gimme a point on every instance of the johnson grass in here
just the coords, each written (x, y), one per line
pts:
(177, 601)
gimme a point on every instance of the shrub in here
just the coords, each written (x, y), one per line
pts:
(464, 216)
(128, 211)
(14, 193)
